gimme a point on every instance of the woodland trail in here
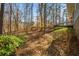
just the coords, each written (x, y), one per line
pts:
(36, 45)
(43, 44)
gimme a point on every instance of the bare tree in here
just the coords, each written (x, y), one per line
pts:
(16, 17)
(44, 17)
(10, 14)
(1, 17)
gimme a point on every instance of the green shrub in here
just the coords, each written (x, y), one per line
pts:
(8, 44)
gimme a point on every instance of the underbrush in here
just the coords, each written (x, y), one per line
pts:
(9, 43)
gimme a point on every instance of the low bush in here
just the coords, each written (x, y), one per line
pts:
(8, 44)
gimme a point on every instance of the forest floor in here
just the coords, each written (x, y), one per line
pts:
(57, 42)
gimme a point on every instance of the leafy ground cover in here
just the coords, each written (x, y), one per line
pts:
(8, 44)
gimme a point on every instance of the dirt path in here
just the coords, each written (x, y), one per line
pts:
(36, 45)
(40, 44)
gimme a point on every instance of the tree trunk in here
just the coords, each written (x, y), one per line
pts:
(44, 17)
(10, 14)
(1, 17)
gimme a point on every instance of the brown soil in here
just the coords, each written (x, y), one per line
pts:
(40, 44)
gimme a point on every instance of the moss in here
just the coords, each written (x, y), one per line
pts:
(60, 30)
(63, 29)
